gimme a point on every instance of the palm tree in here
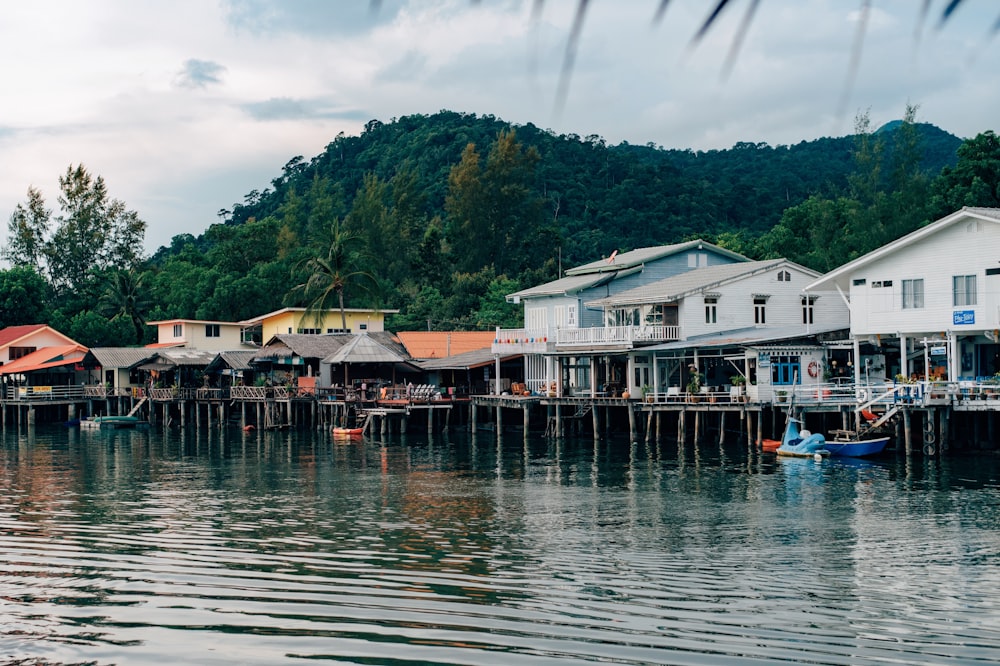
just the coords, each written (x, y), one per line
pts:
(125, 298)
(330, 276)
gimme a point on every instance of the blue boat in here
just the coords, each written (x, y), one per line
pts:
(801, 443)
(853, 448)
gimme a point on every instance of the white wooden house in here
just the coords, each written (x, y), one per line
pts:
(929, 300)
(558, 322)
(750, 319)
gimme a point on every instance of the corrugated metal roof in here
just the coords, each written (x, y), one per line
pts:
(676, 287)
(237, 360)
(364, 349)
(646, 254)
(566, 285)
(117, 357)
(473, 359)
(190, 357)
(319, 346)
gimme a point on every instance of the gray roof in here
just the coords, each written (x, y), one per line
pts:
(694, 281)
(118, 357)
(567, 285)
(364, 349)
(183, 356)
(470, 359)
(747, 337)
(237, 360)
(319, 346)
(643, 255)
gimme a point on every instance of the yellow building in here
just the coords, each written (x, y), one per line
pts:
(295, 320)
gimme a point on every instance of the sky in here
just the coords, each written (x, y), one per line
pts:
(185, 106)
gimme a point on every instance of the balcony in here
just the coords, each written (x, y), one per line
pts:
(528, 341)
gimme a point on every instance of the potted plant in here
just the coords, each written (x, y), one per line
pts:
(780, 395)
(647, 393)
(694, 385)
(739, 389)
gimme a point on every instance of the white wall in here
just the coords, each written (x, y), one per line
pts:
(967, 247)
(735, 308)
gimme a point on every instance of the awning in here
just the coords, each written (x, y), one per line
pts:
(159, 366)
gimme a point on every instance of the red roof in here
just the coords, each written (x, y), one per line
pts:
(442, 344)
(13, 333)
(47, 357)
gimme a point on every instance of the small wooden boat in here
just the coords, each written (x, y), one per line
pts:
(347, 432)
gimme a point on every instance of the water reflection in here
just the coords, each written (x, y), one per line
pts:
(261, 547)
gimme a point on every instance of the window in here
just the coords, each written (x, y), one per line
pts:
(212, 330)
(362, 327)
(18, 352)
(178, 330)
(759, 314)
(913, 294)
(697, 259)
(784, 276)
(711, 310)
(310, 331)
(859, 282)
(786, 370)
(808, 304)
(964, 290)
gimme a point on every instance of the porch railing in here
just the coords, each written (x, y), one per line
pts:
(615, 335)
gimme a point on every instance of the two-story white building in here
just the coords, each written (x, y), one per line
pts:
(748, 319)
(930, 300)
(558, 323)
(199, 334)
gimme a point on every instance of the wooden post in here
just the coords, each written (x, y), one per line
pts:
(907, 433)
(526, 415)
(597, 421)
(631, 422)
(649, 425)
(722, 426)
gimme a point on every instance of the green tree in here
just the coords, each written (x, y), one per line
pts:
(24, 294)
(329, 278)
(974, 180)
(494, 310)
(92, 233)
(27, 228)
(495, 214)
(125, 298)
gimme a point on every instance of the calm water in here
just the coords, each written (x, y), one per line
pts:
(144, 547)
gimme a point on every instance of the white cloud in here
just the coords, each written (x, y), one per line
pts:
(184, 106)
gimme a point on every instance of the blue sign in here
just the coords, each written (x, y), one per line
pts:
(960, 317)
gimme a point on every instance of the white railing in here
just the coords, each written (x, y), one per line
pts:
(616, 335)
(36, 393)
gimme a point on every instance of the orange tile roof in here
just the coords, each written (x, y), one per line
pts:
(47, 357)
(442, 344)
(12, 333)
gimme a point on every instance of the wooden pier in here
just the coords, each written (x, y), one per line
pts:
(920, 420)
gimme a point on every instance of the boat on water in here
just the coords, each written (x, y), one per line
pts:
(348, 432)
(111, 422)
(801, 443)
(857, 448)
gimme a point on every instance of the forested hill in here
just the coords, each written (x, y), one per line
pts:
(599, 197)
(440, 216)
